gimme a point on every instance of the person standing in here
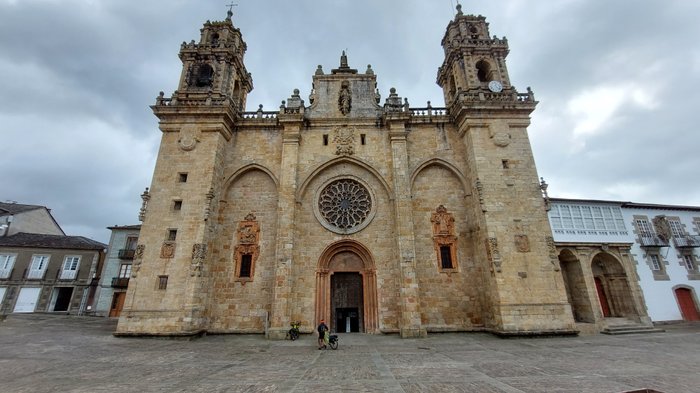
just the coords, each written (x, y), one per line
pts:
(322, 329)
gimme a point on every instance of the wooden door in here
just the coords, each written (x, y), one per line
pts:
(687, 305)
(117, 304)
(601, 296)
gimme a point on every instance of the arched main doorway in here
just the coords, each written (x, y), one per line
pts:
(346, 288)
(612, 286)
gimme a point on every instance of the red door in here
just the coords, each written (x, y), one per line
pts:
(688, 308)
(602, 298)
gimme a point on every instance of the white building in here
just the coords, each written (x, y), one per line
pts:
(608, 249)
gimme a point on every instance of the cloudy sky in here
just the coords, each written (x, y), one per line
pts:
(618, 85)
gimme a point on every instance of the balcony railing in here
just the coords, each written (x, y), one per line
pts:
(68, 274)
(649, 240)
(687, 241)
(120, 282)
(36, 274)
(126, 254)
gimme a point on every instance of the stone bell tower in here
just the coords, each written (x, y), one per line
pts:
(168, 292)
(214, 67)
(512, 233)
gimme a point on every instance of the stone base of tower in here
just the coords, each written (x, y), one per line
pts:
(523, 320)
(159, 324)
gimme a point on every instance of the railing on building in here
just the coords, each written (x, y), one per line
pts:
(689, 241)
(649, 240)
(120, 282)
(68, 274)
(126, 254)
(35, 274)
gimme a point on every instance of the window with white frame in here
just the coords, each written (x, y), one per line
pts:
(655, 262)
(38, 267)
(676, 229)
(125, 271)
(689, 262)
(70, 267)
(7, 262)
(644, 227)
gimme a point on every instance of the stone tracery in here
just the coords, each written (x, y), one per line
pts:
(345, 204)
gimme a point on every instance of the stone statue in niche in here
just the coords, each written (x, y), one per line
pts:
(522, 243)
(553, 256)
(199, 253)
(492, 253)
(345, 98)
(138, 258)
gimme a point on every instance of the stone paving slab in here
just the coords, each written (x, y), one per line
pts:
(58, 353)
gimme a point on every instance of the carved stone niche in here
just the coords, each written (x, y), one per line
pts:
(444, 239)
(247, 250)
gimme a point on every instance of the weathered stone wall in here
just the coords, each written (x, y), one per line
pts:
(235, 305)
(449, 300)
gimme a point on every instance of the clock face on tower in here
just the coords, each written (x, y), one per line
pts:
(495, 86)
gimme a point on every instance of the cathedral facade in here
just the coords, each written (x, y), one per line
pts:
(373, 215)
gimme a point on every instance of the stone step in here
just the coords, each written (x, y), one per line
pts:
(630, 329)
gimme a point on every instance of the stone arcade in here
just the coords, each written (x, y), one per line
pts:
(378, 217)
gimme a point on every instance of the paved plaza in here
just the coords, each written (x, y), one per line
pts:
(57, 353)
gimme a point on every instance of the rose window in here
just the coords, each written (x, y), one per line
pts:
(345, 204)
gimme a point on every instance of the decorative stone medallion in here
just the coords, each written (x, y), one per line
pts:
(344, 139)
(501, 139)
(344, 205)
(167, 250)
